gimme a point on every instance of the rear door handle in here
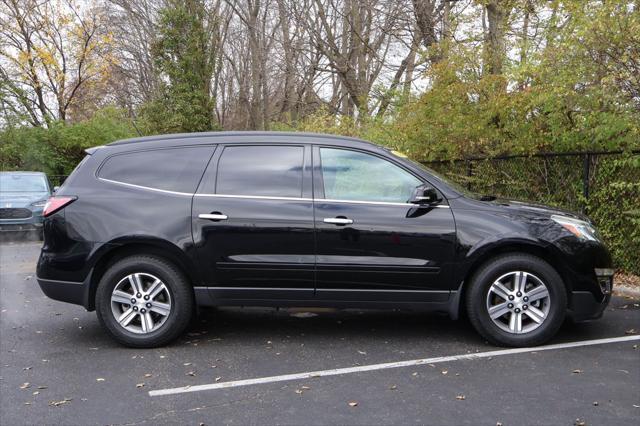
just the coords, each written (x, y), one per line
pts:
(338, 220)
(213, 216)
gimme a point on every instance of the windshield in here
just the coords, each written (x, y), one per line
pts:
(22, 183)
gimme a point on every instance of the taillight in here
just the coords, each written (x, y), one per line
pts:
(56, 203)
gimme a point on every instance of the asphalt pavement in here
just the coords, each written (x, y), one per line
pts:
(57, 366)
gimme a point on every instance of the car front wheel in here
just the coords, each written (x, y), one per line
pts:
(516, 300)
(144, 301)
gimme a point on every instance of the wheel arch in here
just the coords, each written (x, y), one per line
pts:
(547, 253)
(122, 248)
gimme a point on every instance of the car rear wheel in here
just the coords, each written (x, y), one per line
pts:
(516, 300)
(144, 301)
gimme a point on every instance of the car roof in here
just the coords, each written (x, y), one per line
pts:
(249, 136)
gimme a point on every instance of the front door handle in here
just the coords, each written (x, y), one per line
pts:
(213, 216)
(338, 220)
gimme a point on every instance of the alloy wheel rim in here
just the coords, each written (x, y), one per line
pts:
(141, 303)
(518, 302)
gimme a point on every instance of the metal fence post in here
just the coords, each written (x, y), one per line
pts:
(585, 180)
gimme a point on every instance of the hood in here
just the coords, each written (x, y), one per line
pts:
(21, 199)
(537, 209)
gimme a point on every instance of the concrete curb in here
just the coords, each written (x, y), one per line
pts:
(626, 291)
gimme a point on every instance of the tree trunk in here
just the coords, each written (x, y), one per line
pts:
(495, 50)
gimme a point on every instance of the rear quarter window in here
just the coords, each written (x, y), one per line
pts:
(171, 169)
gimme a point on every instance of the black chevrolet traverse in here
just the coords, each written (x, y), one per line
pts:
(146, 229)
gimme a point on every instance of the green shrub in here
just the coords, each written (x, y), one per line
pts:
(58, 149)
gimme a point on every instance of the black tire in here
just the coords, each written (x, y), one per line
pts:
(180, 291)
(481, 282)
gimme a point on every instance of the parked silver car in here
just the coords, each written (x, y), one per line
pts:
(23, 196)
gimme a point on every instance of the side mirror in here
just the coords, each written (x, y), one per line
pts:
(425, 195)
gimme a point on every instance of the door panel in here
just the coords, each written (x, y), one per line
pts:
(258, 245)
(264, 244)
(386, 250)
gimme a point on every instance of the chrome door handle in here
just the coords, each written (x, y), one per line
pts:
(338, 220)
(213, 216)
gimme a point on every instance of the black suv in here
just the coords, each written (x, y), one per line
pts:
(146, 229)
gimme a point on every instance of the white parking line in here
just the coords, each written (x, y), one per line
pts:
(372, 367)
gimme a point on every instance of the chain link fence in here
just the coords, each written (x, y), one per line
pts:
(604, 185)
(56, 180)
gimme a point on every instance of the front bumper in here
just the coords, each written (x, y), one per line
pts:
(590, 305)
(33, 223)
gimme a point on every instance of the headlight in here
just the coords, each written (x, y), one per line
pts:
(579, 228)
(39, 204)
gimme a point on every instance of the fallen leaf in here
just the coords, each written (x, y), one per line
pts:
(579, 422)
(186, 364)
(415, 373)
(26, 368)
(461, 397)
(100, 379)
(595, 403)
(148, 375)
(298, 391)
(191, 373)
(42, 387)
(393, 387)
(631, 331)
(353, 403)
(362, 352)
(25, 385)
(27, 403)
(445, 372)
(140, 385)
(58, 403)
(36, 393)
(217, 379)
(305, 387)
(577, 371)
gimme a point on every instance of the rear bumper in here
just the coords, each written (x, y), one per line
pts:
(67, 291)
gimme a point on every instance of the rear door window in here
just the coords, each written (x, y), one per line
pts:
(172, 169)
(271, 171)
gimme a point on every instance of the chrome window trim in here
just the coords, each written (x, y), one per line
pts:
(381, 203)
(253, 197)
(263, 197)
(317, 200)
(132, 185)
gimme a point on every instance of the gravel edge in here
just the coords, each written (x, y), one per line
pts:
(626, 291)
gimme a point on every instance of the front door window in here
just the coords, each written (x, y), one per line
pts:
(356, 176)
